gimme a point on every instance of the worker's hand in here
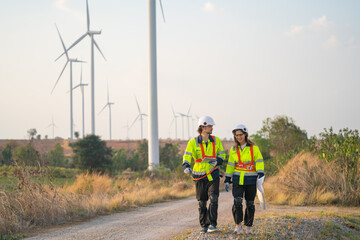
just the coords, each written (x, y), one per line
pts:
(187, 170)
(227, 185)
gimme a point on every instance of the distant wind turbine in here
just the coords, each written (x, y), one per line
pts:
(182, 120)
(140, 116)
(108, 104)
(71, 60)
(127, 129)
(91, 34)
(174, 120)
(52, 124)
(188, 116)
(82, 85)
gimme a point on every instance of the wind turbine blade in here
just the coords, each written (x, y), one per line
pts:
(80, 61)
(188, 110)
(87, 15)
(96, 45)
(62, 42)
(102, 109)
(138, 105)
(76, 86)
(172, 122)
(59, 77)
(162, 10)
(76, 42)
(134, 121)
(172, 108)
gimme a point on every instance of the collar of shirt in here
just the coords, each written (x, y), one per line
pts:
(200, 139)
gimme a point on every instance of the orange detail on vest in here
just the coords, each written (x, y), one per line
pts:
(196, 179)
(247, 167)
(203, 151)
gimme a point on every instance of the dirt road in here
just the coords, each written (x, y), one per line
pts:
(157, 221)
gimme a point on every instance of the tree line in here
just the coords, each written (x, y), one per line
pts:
(279, 139)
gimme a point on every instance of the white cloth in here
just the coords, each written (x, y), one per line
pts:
(260, 192)
(243, 146)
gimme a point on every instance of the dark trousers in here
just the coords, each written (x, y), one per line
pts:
(238, 192)
(206, 190)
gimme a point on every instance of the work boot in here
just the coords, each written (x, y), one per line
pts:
(203, 230)
(249, 230)
(238, 229)
(212, 228)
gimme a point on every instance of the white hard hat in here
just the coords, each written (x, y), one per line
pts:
(205, 121)
(241, 127)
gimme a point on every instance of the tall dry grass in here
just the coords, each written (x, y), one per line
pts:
(306, 179)
(91, 194)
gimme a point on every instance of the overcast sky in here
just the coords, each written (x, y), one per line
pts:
(237, 61)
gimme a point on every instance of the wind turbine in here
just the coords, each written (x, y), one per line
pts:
(188, 116)
(52, 124)
(127, 129)
(174, 120)
(71, 60)
(182, 120)
(82, 85)
(139, 116)
(91, 34)
(108, 104)
(153, 121)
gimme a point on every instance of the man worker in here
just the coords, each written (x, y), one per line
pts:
(208, 154)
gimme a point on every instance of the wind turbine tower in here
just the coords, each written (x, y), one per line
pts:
(108, 104)
(71, 60)
(174, 119)
(153, 121)
(140, 116)
(91, 34)
(52, 124)
(82, 85)
(188, 116)
(182, 121)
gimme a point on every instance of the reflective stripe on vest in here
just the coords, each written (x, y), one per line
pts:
(247, 167)
(203, 151)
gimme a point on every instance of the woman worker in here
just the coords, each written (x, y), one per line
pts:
(245, 166)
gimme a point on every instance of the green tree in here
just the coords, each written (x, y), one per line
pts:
(263, 144)
(56, 156)
(283, 134)
(26, 155)
(169, 156)
(91, 153)
(7, 156)
(120, 160)
(343, 148)
(76, 134)
(32, 132)
(139, 160)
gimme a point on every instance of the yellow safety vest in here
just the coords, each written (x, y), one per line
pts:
(244, 165)
(197, 150)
